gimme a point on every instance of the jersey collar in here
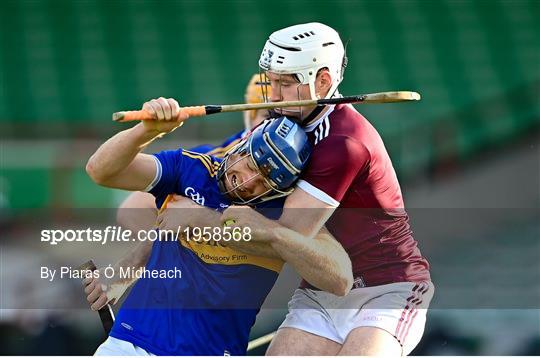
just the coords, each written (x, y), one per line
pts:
(315, 123)
(319, 115)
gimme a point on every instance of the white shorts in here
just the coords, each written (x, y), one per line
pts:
(398, 308)
(117, 347)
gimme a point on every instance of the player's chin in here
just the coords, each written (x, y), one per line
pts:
(242, 195)
(245, 196)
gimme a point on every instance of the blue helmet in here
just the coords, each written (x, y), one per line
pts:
(280, 150)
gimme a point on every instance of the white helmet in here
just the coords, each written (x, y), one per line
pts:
(303, 50)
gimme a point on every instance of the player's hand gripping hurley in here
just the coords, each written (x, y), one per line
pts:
(199, 111)
(106, 313)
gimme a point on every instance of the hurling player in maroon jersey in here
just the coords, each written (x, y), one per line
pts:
(351, 187)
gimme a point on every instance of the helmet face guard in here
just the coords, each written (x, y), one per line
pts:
(295, 114)
(224, 176)
(258, 90)
(279, 149)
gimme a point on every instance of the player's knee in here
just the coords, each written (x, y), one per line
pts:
(371, 341)
(296, 342)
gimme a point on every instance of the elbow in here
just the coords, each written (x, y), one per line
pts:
(342, 285)
(94, 173)
(344, 278)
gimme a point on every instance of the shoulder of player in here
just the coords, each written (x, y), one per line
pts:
(345, 117)
(342, 120)
(208, 162)
(339, 145)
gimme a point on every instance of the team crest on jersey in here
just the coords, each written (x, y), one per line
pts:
(194, 195)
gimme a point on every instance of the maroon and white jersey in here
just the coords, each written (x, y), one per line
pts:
(350, 168)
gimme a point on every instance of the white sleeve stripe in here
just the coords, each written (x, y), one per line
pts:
(317, 193)
(322, 131)
(157, 178)
(327, 122)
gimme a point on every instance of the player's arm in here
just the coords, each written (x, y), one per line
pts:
(318, 257)
(320, 260)
(302, 241)
(317, 196)
(307, 209)
(119, 163)
(137, 212)
(305, 213)
(105, 289)
(184, 212)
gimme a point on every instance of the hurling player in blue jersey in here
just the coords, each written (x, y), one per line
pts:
(145, 216)
(211, 307)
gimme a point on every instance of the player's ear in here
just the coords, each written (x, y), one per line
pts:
(323, 82)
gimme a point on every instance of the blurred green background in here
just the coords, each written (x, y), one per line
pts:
(67, 65)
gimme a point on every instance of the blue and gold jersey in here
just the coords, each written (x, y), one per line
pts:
(211, 308)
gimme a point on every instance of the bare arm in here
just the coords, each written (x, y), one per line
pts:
(118, 162)
(328, 266)
(321, 260)
(305, 245)
(103, 290)
(137, 212)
